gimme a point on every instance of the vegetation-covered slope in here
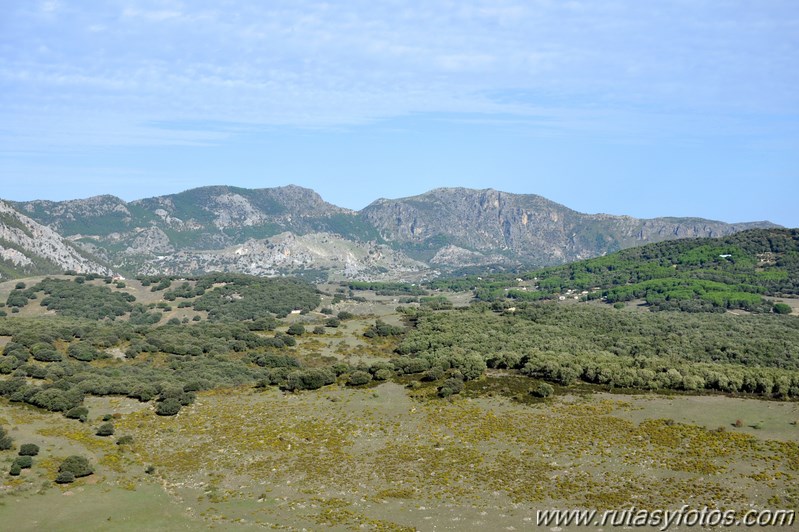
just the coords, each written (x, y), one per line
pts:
(694, 274)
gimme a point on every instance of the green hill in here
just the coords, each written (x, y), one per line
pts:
(742, 271)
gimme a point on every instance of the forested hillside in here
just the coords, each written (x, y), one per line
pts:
(748, 270)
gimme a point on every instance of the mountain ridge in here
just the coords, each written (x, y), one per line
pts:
(444, 228)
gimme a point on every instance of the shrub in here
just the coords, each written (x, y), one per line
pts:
(332, 322)
(15, 470)
(25, 462)
(106, 429)
(83, 352)
(28, 449)
(65, 477)
(359, 378)
(543, 390)
(47, 355)
(433, 374)
(168, 407)
(309, 379)
(451, 386)
(319, 330)
(781, 308)
(344, 315)
(143, 392)
(296, 329)
(77, 465)
(125, 440)
(79, 412)
(383, 374)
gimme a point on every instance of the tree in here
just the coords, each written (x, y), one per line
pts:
(77, 465)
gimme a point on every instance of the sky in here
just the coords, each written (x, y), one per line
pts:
(656, 108)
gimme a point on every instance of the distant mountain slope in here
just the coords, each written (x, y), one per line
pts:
(443, 229)
(699, 274)
(522, 227)
(29, 248)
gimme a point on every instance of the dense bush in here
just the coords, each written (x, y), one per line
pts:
(543, 390)
(24, 462)
(83, 351)
(106, 429)
(46, 354)
(381, 328)
(78, 412)
(308, 379)
(65, 477)
(28, 449)
(359, 378)
(451, 386)
(77, 465)
(168, 407)
(296, 329)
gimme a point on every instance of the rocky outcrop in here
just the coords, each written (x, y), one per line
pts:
(520, 227)
(27, 247)
(338, 257)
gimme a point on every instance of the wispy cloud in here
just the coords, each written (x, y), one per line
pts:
(111, 72)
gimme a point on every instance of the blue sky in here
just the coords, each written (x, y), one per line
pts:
(671, 107)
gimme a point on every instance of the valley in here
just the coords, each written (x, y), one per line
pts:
(384, 406)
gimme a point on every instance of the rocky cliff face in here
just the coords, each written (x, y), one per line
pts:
(291, 229)
(520, 228)
(29, 248)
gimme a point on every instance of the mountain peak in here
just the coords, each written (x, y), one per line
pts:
(442, 228)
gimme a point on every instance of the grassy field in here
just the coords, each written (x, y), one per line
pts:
(394, 456)
(390, 458)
